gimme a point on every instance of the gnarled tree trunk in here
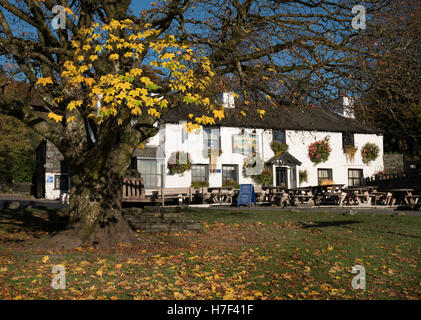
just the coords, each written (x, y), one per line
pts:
(96, 174)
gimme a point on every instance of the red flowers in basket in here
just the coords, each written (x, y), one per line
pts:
(319, 151)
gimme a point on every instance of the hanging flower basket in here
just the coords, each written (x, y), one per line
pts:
(319, 151)
(350, 152)
(369, 152)
(178, 163)
(278, 148)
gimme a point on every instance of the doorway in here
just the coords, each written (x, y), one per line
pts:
(282, 177)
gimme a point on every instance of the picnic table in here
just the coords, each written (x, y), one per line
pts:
(221, 194)
(404, 197)
(328, 194)
(383, 198)
(275, 194)
(360, 196)
(302, 195)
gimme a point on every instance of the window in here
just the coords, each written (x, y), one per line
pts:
(211, 138)
(61, 182)
(347, 139)
(355, 177)
(150, 171)
(199, 172)
(279, 136)
(133, 163)
(324, 174)
(229, 173)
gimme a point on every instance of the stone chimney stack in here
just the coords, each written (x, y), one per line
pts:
(348, 108)
(227, 100)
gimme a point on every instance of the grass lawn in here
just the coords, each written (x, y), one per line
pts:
(240, 254)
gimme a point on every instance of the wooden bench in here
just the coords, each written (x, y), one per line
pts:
(260, 194)
(363, 199)
(186, 194)
(412, 200)
(300, 198)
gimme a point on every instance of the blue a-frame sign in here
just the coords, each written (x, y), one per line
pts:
(246, 195)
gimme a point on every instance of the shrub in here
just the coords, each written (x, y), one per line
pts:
(133, 173)
(369, 152)
(175, 167)
(303, 176)
(265, 178)
(199, 184)
(319, 151)
(230, 183)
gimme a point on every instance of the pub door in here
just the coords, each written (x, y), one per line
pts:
(282, 177)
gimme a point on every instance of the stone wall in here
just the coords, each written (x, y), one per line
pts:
(55, 166)
(158, 219)
(393, 163)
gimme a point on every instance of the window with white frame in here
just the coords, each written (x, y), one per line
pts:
(348, 139)
(229, 173)
(151, 172)
(324, 174)
(279, 136)
(211, 138)
(355, 177)
(200, 172)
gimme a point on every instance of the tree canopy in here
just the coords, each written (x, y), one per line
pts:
(391, 87)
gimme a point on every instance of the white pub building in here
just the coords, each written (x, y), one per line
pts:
(238, 137)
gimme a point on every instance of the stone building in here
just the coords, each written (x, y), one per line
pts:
(51, 175)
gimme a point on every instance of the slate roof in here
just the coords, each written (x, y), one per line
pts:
(277, 118)
(146, 152)
(284, 158)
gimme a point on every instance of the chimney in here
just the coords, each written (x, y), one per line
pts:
(227, 100)
(348, 108)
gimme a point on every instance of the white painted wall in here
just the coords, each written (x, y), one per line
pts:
(170, 140)
(299, 141)
(50, 192)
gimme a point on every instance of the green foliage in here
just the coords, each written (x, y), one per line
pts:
(369, 152)
(265, 178)
(175, 165)
(278, 148)
(17, 151)
(302, 176)
(230, 183)
(133, 173)
(199, 184)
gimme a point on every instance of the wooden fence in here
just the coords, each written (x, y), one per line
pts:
(395, 180)
(133, 189)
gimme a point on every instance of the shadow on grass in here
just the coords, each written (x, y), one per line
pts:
(325, 224)
(347, 223)
(33, 220)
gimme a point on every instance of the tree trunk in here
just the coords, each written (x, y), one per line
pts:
(95, 202)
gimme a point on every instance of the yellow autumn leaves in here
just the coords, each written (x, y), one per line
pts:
(119, 44)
